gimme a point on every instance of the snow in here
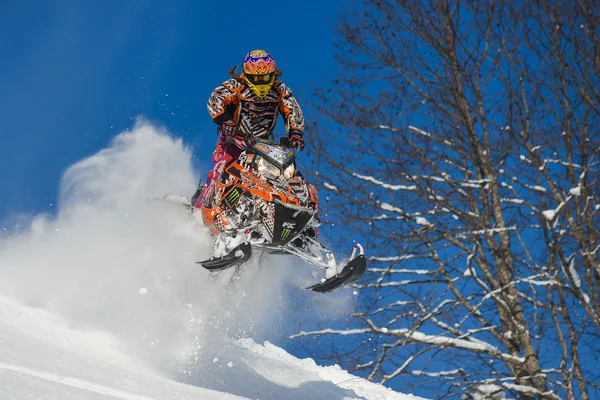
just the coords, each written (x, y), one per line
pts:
(523, 158)
(491, 231)
(389, 207)
(44, 356)
(576, 191)
(393, 258)
(475, 183)
(593, 252)
(586, 298)
(515, 201)
(99, 306)
(422, 221)
(467, 272)
(471, 343)
(489, 392)
(383, 184)
(419, 131)
(574, 274)
(331, 187)
(386, 128)
(549, 214)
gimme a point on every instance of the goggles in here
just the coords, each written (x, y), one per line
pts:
(263, 79)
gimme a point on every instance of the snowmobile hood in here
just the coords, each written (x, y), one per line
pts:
(279, 155)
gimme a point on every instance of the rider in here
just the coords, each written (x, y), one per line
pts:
(246, 107)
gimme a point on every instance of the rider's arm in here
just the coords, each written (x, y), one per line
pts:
(290, 109)
(223, 102)
(292, 114)
(222, 107)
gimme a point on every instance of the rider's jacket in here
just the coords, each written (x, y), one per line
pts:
(253, 116)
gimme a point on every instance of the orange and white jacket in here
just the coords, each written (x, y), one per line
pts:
(253, 116)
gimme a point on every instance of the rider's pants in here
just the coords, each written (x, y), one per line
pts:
(223, 155)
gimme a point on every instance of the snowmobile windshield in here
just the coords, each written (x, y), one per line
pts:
(280, 156)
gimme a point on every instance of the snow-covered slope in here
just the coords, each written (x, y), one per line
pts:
(42, 357)
(105, 301)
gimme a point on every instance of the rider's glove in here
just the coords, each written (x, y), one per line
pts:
(242, 141)
(228, 128)
(296, 139)
(249, 141)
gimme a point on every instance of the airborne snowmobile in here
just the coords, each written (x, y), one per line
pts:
(262, 203)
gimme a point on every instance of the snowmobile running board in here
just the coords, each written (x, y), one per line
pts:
(351, 272)
(238, 255)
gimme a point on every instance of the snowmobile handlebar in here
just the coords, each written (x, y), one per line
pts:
(283, 141)
(261, 140)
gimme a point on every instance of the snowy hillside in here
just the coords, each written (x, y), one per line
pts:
(105, 301)
(44, 357)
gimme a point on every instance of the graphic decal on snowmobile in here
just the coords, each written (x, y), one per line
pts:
(262, 203)
(233, 196)
(287, 229)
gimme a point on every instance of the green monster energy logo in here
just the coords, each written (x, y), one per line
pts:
(285, 232)
(233, 196)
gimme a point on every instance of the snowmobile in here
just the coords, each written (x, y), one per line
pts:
(261, 202)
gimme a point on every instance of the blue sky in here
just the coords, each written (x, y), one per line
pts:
(76, 73)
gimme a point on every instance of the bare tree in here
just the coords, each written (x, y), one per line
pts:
(461, 140)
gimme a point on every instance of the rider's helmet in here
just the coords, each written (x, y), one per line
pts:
(259, 71)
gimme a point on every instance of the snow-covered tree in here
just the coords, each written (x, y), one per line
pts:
(462, 141)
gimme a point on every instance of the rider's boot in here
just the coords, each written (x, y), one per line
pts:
(197, 195)
(202, 191)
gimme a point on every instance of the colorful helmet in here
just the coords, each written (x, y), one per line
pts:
(259, 71)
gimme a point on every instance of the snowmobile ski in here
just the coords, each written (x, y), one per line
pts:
(238, 255)
(172, 199)
(351, 272)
